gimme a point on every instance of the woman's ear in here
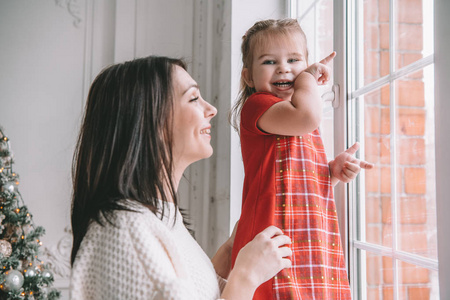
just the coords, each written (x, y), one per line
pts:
(247, 77)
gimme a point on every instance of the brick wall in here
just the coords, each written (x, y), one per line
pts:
(415, 214)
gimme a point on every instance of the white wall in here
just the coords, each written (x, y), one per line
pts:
(51, 51)
(41, 99)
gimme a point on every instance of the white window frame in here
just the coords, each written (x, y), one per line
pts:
(344, 194)
(442, 123)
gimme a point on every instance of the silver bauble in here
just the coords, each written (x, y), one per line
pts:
(5, 248)
(13, 281)
(9, 186)
(47, 274)
(29, 272)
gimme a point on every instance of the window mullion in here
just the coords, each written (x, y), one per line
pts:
(393, 136)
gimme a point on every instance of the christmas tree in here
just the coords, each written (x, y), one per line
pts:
(22, 275)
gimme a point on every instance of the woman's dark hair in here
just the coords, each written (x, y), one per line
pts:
(124, 146)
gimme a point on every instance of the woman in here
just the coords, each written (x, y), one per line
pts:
(145, 123)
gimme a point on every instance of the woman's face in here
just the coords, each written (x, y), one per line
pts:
(192, 116)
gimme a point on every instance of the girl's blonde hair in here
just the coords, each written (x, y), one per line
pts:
(256, 36)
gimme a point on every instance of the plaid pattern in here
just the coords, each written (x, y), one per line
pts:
(305, 210)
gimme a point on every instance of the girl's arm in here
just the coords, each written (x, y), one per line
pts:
(303, 113)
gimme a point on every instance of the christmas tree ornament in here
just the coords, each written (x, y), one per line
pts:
(29, 272)
(13, 281)
(5, 248)
(47, 274)
(9, 186)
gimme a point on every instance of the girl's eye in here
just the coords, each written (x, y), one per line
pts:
(292, 60)
(268, 62)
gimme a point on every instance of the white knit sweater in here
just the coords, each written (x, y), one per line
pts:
(144, 257)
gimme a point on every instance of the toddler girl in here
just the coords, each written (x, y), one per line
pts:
(288, 180)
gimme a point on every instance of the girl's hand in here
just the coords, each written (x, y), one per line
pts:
(262, 258)
(345, 167)
(321, 70)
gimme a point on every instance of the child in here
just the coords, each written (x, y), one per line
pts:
(288, 181)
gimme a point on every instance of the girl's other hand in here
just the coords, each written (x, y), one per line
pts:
(345, 167)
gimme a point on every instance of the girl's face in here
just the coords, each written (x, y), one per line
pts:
(277, 61)
(192, 116)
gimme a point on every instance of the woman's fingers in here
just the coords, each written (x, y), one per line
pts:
(281, 240)
(286, 263)
(271, 231)
(285, 252)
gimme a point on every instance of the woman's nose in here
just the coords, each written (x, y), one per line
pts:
(210, 110)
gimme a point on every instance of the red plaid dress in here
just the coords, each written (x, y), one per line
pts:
(287, 184)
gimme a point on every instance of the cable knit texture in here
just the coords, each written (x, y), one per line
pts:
(143, 257)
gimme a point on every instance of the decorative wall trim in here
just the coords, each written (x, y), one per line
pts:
(73, 7)
(58, 256)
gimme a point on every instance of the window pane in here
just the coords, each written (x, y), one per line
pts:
(415, 162)
(378, 180)
(375, 58)
(414, 25)
(417, 283)
(378, 276)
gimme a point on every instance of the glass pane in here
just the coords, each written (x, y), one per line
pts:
(417, 283)
(375, 57)
(376, 139)
(414, 31)
(415, 151)
(316, 19)
(379, 276)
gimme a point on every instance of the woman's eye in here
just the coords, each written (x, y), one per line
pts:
(268, 62)
(194, 99)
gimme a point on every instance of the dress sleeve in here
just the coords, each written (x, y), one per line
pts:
(255, 106)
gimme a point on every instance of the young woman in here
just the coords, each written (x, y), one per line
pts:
(145, 123)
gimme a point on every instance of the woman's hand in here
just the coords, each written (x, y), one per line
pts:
(261, 259)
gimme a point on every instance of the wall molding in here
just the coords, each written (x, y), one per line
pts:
(74, 8)
(57, 256)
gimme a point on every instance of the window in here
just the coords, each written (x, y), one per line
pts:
(393, 236)
(385, 71)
